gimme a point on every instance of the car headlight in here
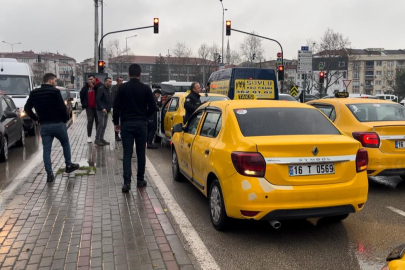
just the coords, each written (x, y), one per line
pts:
(23, 113)
(65, 102)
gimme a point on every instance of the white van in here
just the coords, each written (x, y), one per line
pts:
(388, 97)
(17, 82)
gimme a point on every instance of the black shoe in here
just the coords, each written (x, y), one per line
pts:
(72, 167)
(143, 183)
(99, 143)
(126, 188)
(152, 146)
(117, 138)
(50, 177)
(105, 142)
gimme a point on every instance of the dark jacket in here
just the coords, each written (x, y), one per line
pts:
(191, 104)
(103, 99)
(49, 105)
(84, 95)
(113, 92)
(134, 101)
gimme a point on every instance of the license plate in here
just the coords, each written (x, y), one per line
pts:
(400, 144)
(311, 169)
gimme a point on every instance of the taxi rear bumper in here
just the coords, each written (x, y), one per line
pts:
(384, 164)
(309, 212)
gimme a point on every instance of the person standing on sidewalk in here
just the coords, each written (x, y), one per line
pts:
(52, 115)
(133, 105)
(88, 100)
(103, 101)
(113, 94)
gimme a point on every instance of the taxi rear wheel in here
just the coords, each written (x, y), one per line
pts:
(218, 215)
(177, 176)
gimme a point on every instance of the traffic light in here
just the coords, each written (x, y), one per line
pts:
(280, 70)
(321, 77)
(228, 28)
(101, 66)
(39, 59)
(156, 25)
(72, 79)
(219, 58)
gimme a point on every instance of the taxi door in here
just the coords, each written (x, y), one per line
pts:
(174, 105)
(186, 142)
(203, 146)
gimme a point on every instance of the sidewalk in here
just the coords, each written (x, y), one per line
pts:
(83, 220)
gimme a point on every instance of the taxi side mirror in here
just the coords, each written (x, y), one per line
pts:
(178, 128)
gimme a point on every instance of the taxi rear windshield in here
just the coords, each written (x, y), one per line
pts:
(283, 121)
(375, 112)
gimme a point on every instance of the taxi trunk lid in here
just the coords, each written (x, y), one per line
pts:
(392, 137)
(298, 160)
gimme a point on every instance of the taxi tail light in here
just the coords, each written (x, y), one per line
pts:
(361, 160)
(249, 164)
(249, 213)
(367, 139)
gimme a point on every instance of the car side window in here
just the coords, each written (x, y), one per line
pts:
(210, 123)
(10, 104)
(329, 111)
(192, 125)
(4, 106)
(218, 127)
(166, 106)
(174, 105)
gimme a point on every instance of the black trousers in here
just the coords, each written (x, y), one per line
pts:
(152, 127)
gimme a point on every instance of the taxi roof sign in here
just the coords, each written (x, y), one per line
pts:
(342, 94)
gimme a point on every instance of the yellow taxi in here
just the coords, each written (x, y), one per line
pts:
(173, 111)
(270, 160)
(396, 259)
(378, 124)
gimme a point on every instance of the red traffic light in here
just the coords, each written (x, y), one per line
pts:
(156, 25)
(228, 28)
(280, 68)
(101, 63)
(322, 74)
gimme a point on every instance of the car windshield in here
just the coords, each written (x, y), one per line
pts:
(64, 94)
(286, 97)
(283, 121)
(375, 112)
(14, 85)
(212, 98)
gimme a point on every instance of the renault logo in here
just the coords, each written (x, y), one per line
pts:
(315, 151)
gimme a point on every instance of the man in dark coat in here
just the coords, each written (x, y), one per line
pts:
(192, 101)
(103, 101)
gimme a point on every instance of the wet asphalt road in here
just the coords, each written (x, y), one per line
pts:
(20, 156)
(362, 241)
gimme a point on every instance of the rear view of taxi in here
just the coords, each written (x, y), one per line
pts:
(270, 160)
(378, 124)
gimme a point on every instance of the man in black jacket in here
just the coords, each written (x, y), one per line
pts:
(133, 105)
(103, 101)
(52, 115)
(88, 100)
(192, 101)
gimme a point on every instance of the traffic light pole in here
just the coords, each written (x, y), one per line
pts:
(120, 31)
(282, 54)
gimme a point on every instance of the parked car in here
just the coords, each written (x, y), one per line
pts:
(67, 99)
(11, 126)
(393, 98)
(75, 95)
(286, 97)
(256, 160)
(308, 97)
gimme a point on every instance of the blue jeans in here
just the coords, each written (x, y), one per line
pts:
(130, 131)
(48, 133)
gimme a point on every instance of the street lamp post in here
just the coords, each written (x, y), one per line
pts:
(126, 42)
(223, 19)
(12, 44)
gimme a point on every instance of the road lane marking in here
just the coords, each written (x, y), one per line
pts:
(194, 243)
(393, 209)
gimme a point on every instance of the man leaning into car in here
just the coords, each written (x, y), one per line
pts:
(52, 115)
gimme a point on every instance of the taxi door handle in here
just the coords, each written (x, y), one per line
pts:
(207, 152)
(188, 145)
(172, 118)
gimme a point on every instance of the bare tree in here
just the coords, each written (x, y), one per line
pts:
(39, 70)
(252, 48)
(235, 58)
(204, 52)
(118, 57)
(181, 60)
(214, 52)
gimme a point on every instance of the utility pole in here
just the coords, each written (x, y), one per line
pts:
(168, 61)
(95, 35)
(102, 25)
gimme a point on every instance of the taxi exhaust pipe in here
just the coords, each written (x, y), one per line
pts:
(275, 224)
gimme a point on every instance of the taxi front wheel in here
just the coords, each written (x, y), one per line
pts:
(177, 176)
(218, 215)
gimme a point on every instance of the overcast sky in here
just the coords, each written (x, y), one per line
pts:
(67, 26)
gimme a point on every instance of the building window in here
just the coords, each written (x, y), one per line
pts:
(341, 64)
(390, 73)
(379, 63)
(369, 64)
(357, 64)
(369, 74)
(389, 83)
(344, 75)
(378, 73)
(356, 75)
(390, 63)
(25, 60)
(63, 61)
(378, 92)
(356, 85)
(377, 82)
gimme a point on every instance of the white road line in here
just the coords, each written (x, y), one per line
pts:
(393, 209)
(8, 194)
(194, 242)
